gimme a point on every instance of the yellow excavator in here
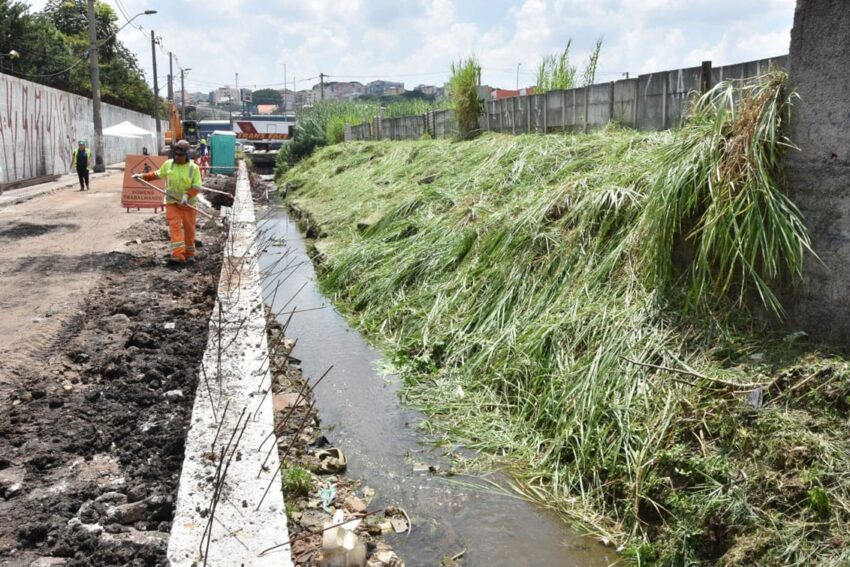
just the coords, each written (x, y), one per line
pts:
(180, 129)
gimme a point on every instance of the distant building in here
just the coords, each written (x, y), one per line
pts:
(224, 95)
(379, 88)
(429, 90)
(287, 99)
(303, 98)
(498, 94)
(336, 90)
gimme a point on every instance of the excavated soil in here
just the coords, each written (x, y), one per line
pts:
(92, 434)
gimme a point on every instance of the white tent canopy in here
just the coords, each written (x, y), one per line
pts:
(127, 130)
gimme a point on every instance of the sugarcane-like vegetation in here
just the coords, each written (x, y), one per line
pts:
(595, 310)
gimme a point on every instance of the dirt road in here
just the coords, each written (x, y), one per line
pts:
(51, 250)
(99, 351)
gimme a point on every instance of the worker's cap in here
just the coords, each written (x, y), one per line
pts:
(182, 145)
(82, 142)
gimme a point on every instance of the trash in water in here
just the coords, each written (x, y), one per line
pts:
(340, 545)
(399, 525)
(331, 460)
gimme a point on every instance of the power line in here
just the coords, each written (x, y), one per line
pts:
(126, 14)
(256, 86)
(158, 41)
(48, 75)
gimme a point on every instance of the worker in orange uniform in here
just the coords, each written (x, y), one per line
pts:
(183, 183)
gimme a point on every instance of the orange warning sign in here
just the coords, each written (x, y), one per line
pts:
(137, 195)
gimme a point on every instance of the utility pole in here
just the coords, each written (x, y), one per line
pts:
(155, 93)
(95, 91)
(183, 92)
(238, 94)
(284, 89)
(170, 76)
(322, 79)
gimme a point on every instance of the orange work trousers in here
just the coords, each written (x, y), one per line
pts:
(181, 224)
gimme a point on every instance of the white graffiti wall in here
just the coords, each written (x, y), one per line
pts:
(40, 126)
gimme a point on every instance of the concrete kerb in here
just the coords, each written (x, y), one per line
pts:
(222, 482)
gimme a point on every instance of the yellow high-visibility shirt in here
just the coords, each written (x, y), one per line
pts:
(180, 179)
(74, 158)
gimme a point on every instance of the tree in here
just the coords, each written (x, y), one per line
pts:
(42, 48)
(267, 96)
(54, 48)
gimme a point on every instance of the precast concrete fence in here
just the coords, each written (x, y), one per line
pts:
(40, 127)
(655, 101)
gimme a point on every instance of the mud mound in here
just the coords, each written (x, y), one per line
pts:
(224, 183)
(20, 230)
(92, 440)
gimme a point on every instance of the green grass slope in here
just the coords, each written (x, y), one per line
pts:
(540, 311)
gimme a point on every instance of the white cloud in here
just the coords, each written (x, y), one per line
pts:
(416, 40)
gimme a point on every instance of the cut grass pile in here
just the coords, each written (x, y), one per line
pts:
(577, 304)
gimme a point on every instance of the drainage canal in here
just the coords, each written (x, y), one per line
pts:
(362, 415)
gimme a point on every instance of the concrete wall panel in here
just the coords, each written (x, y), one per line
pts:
(819, 174)
(682, 84)
(598, 106)
(625, 97)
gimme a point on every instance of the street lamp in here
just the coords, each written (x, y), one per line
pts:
(145, 13)
(95, 83)
(11, 55)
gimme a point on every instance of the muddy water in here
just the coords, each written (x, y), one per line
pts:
(362, 415)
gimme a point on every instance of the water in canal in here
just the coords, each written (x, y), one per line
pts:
(361, 413)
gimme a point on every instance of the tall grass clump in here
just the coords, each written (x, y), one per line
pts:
(720, 200)
(345, 112)
(412, 107)
(555, 71)
(463, 95)
(513, 282)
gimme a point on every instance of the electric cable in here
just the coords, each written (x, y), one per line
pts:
(82, 59)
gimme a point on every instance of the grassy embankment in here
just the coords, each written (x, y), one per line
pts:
(589, 307)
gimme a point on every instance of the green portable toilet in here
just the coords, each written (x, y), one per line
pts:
(223, 152)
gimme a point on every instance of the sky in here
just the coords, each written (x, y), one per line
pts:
(416, 41)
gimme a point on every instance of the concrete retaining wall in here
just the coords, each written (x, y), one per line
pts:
(40, 127)
(404, 128)
(655, 101)
(819, 174)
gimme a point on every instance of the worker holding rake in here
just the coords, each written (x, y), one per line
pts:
(183, 183)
